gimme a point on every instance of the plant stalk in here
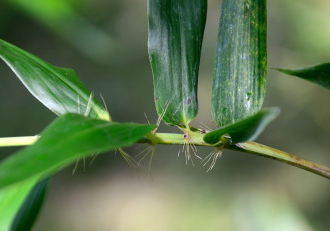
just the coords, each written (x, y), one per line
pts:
(197, 140)
(272, 153)
(18, 141)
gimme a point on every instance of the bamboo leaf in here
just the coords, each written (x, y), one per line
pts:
(30, 208)
(67, 139)
(319, 74)
(176, 31)
(239, 82)
(59, 89)
(247, 129)
(11, 199)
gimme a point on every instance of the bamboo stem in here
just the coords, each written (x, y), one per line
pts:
(197, 139)
(269, 152)
(18, 141)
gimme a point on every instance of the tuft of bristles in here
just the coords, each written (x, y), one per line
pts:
(187, 148)
(211, 159)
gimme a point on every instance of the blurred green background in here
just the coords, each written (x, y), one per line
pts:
(105, 41)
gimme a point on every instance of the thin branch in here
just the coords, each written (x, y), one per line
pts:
(268, 152)
(18, 141)
(197, 140)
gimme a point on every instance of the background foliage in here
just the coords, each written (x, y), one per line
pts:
(242, 192)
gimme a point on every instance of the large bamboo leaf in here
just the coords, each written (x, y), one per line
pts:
(176, 31)
(239, 82)
(11, 199)
(319, 74)
(29, 211)
(66, 140)
(59, 89)
(244, 130)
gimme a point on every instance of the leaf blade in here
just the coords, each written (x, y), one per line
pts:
(67, 139)
(247, 129)
(28, 212)
(59, 89)
(319, 74)
(239, 80)
(176, 30)
(11, 199)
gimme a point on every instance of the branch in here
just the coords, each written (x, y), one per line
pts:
(272, 153)
(197, 139)
(18, 141)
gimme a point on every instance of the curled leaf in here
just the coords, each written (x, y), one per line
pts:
(247, 129)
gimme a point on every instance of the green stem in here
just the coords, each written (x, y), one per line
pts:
(268, 152)
(197, 139)
(18, 141)
(172, 138)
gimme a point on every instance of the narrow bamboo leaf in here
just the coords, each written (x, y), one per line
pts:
(30, 208)
(319, 74)
(66, 140)
(247, 129)
(239, 82)
(59, 89)
(11, 199)
(176, 31)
